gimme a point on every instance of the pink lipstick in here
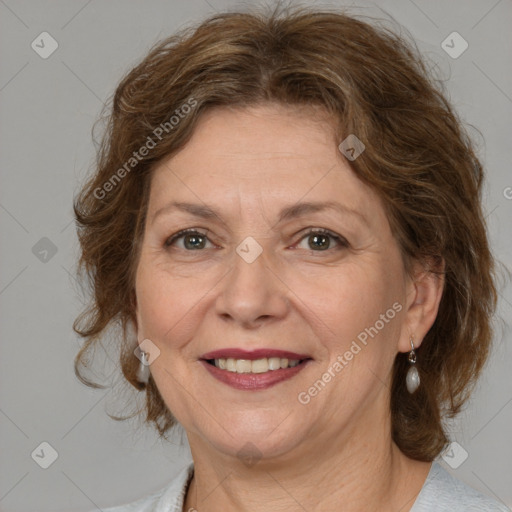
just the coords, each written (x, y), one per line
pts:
(253, 370)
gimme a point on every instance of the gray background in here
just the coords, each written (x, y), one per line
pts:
(48, 107)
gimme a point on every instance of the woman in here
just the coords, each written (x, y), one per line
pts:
(287, 212)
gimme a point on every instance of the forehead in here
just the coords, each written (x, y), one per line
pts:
(266, 154)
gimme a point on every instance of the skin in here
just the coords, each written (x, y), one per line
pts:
(247, 164)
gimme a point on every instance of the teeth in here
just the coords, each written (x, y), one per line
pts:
(230, 364)
(274, 363)
(243, 366)
(257, 366)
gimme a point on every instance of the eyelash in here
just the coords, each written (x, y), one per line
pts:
(317, 231)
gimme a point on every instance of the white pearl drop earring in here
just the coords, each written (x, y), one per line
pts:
(413, 377)
(143, 373)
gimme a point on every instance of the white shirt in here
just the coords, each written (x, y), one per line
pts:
(441, 492)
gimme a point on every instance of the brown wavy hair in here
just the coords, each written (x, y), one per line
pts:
(418, 158)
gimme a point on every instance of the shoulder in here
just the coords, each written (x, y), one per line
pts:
(444, 493)
(169, 498)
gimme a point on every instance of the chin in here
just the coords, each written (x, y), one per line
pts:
(254, 437)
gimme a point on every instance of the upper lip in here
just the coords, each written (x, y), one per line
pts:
(237, 353)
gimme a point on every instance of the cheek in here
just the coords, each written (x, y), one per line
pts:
(361, 303)
(167, 303)
(339, 303)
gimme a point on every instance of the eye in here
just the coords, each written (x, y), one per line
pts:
(193, 240)
(320, 239)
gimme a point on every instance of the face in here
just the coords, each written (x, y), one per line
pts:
(288, 258)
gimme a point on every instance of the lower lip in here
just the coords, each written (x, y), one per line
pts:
(254, 381)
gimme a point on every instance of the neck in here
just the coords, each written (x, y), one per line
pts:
(361, 469)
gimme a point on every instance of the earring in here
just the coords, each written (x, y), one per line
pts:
(413, 377)
(143, 373)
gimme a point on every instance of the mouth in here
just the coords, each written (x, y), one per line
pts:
(262, 365)
(255, 370)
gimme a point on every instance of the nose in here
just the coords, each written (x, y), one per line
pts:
(252, 294)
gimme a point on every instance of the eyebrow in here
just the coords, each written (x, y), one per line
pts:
(287, 213)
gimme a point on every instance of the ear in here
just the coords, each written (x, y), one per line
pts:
(424, 290)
